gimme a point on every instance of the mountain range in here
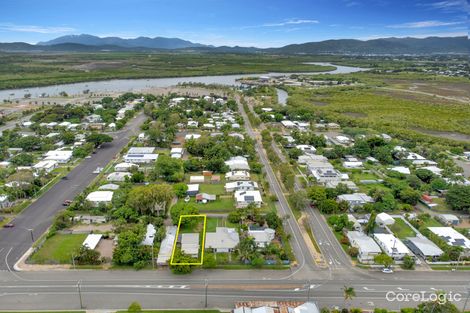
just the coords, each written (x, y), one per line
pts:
(90, 43)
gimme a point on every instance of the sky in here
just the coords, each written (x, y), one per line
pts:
(260, 23)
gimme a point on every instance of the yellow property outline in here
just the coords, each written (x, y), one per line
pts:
(176, 239)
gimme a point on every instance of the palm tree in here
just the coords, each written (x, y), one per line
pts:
(348, 293)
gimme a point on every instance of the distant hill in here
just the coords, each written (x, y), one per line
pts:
(381, 46)
(89, 43)
(141, 42)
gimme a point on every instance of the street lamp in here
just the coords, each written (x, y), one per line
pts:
(206, 284)
(32, 234)
(80, 293)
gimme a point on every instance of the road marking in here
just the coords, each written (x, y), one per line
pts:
(368, 289)
(402, 289)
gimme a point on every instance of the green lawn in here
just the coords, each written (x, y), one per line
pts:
(211, 224)
(222, 205)
(432, 222)
(441, 205)
(214, 189)
(401, 229)
(176, 311)
(58, 249)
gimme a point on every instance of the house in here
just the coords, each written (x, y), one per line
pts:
(141, 150)
(423, 247)
(288, 124)
(350, 184)
(149, 235)
(355, 199)
(224, 239)
(365, 245)
(208, 126)
(434, 169)
(307, 307)
(343, 140)
(176, 153)
(392, 246)
(141, 137)
(97, 198)
(244, 198)
(353, 164)
(90, 219)
(45, 166)
(192, 136)
(125, 167)
(93, 118)
(400, 169)
(215, 179)
(262, 236)
(451, 237)
(448, 219)
(190, 244)
(356, 225)
(237, 175)
(196, 179)
(383, 219)
(92, 241)
(141, 158)
(205, 197)
(5, 202)
(306, 149)
(193, 189)
(109, 187)
(237, 163)
(166, 246)
(241, 185)
(118, 176)
(61, 156)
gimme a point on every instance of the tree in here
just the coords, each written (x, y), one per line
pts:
(408, 262)
(370, 226)
(383, 259)
(209, 261)
(273, 220)
(246, 249)
(425, 175)
(180, 189)
(182, 208)
(362, 149)
(328, 206)
(169, 169)
(22, 159)
(134, 307)
(87, 256)
(348, 293)
(353, 251)
(181, 260)
(150, 199)
(137, 177)
(299, 200)
(98, 139)
(458, 197)
(316, 193)
(410, 196)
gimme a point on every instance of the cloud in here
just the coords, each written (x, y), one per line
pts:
(424, 24)
(448, 5)
(35, 29)
(349, 3)
(289, 22)
(424, 35)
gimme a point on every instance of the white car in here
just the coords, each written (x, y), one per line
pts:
(387, 270)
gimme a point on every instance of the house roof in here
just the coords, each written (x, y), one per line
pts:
(451, 236)
(190, 243)
(92, 240)
(141, 150)
(100, 196)
(384, 218)
(222, 238)
(149, 235)
(391, 244)
(423, 244)
(166, 247)
(364, 243)
(248, 196)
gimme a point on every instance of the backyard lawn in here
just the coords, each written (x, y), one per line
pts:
(401, 229)
(58, 249)
(214, 189)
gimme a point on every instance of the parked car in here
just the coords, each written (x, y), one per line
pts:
(387, 270)
(9, 225)
(67, 202)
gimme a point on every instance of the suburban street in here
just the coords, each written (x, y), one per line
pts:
(14, 242)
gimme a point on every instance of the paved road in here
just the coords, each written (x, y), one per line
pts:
(116, 290)
(14, 242)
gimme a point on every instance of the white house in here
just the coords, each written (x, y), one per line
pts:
(355, 199)
(306, 149)
(5, 202)
(384, 219)
(237, 175)
(366, 246)
(196, 179)
(262, 236)
(109, 187)
(401, 169)
(45, 166)
(192, 136)
(118, 176)
(240, 185)
(100, 197)
(141, 150)
(288, 124)
(193, 189)
(61, 156)
(243, 198)
(176, 153)
(224, 239)
(149, 235)
(125, 167)
(141, 158)
(451, 237)
(166, 247)
(190, 244)
(392, 246)
(92, 241)
(423, 247)
(238, 163)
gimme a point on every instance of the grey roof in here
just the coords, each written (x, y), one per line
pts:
(364, 243)
(223, 238)
(424, 245)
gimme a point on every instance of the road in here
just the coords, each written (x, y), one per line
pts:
(14, 242)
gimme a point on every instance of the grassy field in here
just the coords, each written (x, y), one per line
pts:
(27, 70)
(214, 189)
(58, 249)
(401, 229)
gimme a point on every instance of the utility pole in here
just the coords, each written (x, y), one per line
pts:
(206, 284)
(153, 258)
(466, 300)
(80, 294)
(308, 290)
(32, 235)
(73, 261)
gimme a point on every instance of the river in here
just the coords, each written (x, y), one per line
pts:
(137, 85)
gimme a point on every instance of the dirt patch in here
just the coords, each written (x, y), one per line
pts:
(105, 248)
(443, 134)
(98, 66)
(446, 89)
(93, 228)
(355, 114)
